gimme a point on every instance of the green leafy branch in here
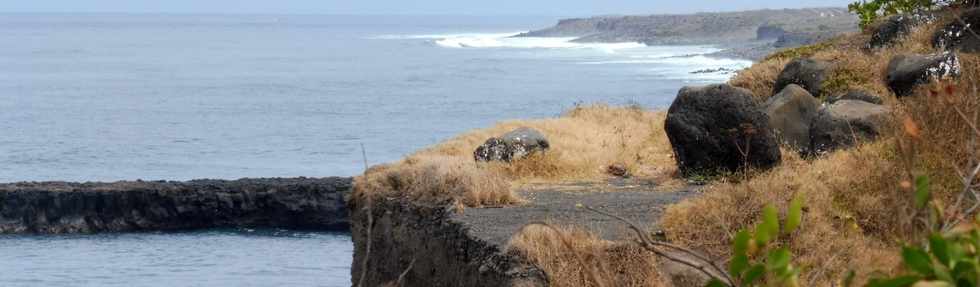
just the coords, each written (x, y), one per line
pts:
(774, 265)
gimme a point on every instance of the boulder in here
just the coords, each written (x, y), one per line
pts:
(844, 124)
(807, 73)
(857, 95)
(897, 27)
(719, 128)
(790, 113)
(956, 36)
(906, 72)
(515, 144)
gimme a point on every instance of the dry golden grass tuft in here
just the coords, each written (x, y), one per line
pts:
(572, 257)
(584, 142)
(858, 213)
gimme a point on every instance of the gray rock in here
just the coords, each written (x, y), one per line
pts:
(844, 124)
(906, 72)
(808, 73)
(956, 36)
(515, 144)
(790, 113)
(712, 128)
(858, 95)
(896, 28)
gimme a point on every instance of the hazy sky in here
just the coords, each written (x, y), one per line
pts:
(493, 7)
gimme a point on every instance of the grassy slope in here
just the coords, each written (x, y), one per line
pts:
(857, 216)
(858, 212)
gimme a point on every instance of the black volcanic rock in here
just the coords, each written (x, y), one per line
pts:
(513, 145)
(790, 113)
(711, 128)
(845, 124)
(60, 207)
(906, 72)
(807, 73)
(957, 36)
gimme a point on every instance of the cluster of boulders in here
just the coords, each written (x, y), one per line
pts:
(720, 128)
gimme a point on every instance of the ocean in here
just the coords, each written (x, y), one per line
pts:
(106, 97)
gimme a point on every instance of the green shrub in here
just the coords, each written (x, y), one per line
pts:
(869, 11)
(775, 268)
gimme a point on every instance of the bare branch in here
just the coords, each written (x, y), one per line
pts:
(401, 278)
(651, 245)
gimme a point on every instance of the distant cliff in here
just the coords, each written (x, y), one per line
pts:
(775, 28)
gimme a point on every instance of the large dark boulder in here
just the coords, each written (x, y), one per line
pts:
(790, 113)
(906, 72)
(857, 95)
(719, 128)
(513, 145)
(844, 124)
(957, 36)
(897, 27)
(807, 73)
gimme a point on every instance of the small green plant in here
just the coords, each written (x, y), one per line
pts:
(950, 260)
(755, 261)
(869, 11)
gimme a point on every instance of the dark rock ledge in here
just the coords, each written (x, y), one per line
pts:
(431, 245)
(62, 207)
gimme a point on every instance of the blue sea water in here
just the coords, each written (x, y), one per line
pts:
(104, 97)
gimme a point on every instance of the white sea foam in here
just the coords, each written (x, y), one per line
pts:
(667, 62)
(508, 40)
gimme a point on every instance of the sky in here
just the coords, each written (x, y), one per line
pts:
(452, 7)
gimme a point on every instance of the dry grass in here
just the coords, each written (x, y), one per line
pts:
(584, 142)
(573, 257)
(858, 211)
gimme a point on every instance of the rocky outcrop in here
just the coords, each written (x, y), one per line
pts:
(719, 128)
(701, 28)
(960, 36)
(790, 113)
(807, 73)
(60, 207)
(857, 95)
(845, 124)
(895, 28)
(906, 72)
(430, 249)
(513, 145)
(473, 247)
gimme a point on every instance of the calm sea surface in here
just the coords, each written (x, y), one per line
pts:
(122, 97)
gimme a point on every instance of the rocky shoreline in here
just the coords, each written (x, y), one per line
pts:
(747, 34)
(133, 206)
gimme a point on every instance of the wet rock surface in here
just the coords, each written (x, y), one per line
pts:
(61, 207)
(790, 113)
(711, 127)
(807, 73)
(513, 145)
(906, 72)
(845, 124)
